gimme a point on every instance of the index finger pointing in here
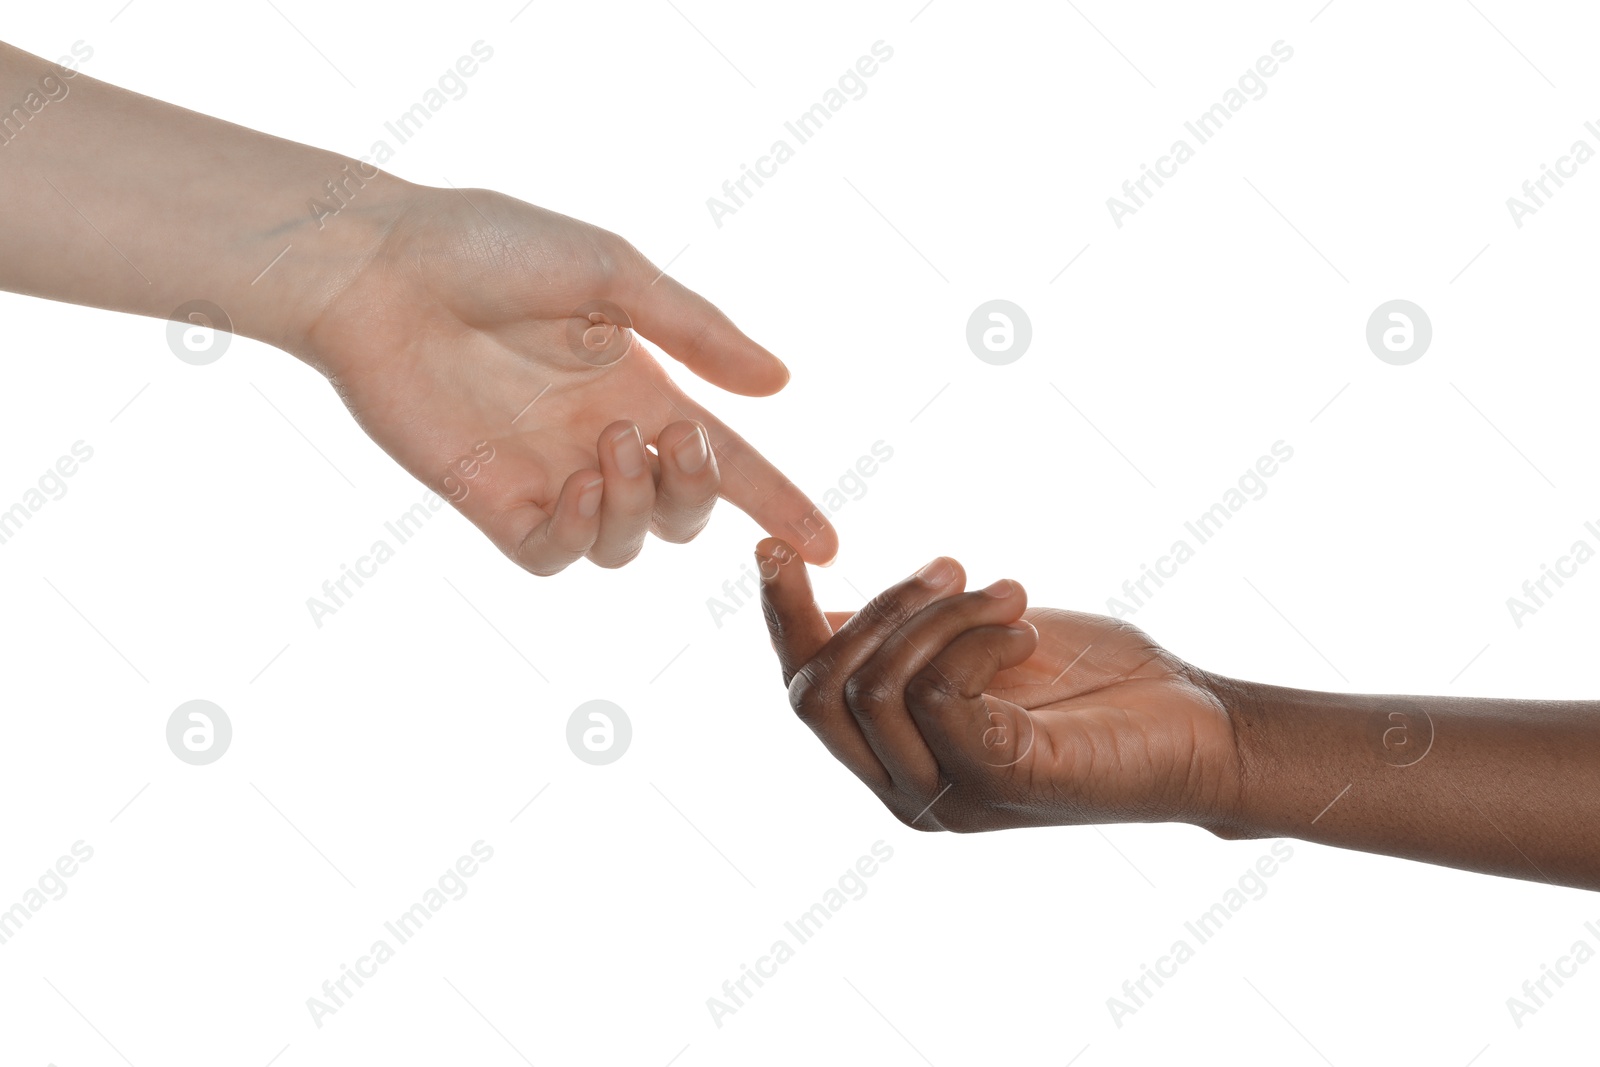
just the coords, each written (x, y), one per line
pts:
(757, 488)
(798, 628)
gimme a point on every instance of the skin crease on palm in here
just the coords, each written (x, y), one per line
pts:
(1114, 721)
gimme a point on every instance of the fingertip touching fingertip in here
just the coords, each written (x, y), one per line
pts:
(823, 549)
(772, 553)
(768, 546)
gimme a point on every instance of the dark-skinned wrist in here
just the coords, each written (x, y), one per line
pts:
(1231, 813)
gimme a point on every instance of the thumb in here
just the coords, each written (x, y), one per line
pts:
(694, 332)
(964, 727)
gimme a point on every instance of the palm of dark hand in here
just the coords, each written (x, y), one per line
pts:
(1118, 727)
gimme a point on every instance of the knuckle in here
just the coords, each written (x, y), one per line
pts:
(546, 550)
(680, 521)
(929, 690)
(613, 562)
(678, 535)
(887, 610)
(805, 696)
(696, 343)
(960, 813)
(679, 529)
(1129, 632)
(961, 822)
(775, 622)
(535, 562)
(691, 488)
(918, 818)
(567, 544)
(868, 692)
(615, 252)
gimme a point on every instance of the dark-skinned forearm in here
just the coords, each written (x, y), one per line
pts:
(1508, 787)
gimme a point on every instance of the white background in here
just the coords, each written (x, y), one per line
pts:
(1227, 314)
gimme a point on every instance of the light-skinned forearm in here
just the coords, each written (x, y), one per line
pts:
(119, 201)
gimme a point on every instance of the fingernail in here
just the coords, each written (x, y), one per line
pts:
(589, 498)
(628, 449)
(770, 563)
(1001, 589)
(691, 452)
(939, 572)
